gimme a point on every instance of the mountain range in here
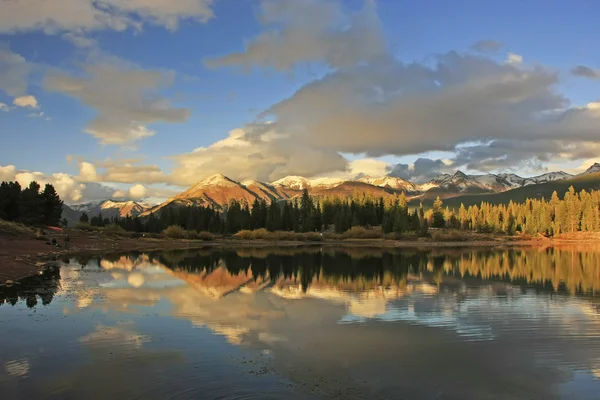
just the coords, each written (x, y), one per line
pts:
(218, 190)
(108, 209)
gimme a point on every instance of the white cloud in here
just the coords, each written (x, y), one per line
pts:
(310, 31)
(126, 98)
(68, 187)
(255, 153)
(514, 59)
(56, 16)
(26, 101)
(368, 166)
(130, 171)
(138, 192)
(361, 167)
(4, 107)
(36, 115)
(87, 172)
(7, 173)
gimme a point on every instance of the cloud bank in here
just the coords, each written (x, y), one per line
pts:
(57, 16)
(126, 98)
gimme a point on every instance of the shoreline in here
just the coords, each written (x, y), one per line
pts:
(23, 256)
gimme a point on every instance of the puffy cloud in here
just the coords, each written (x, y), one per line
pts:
(69, 188)
(7, 173)
(138, 192)
(367, 167)
(387, 107)
(141, 192)
(487, 46)
(125, 97)
(515, 59)
(256, 152)
(586, 72)
(4, 107)
(374, 104)
(129, 172)
(54, 16)
(26, 101)
(310, 31)
(14, 70)
(87, 172)
(422, 170)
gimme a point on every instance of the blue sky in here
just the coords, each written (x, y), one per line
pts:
(192, 92)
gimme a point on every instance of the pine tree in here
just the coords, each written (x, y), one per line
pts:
(438, 214)
(52, 205)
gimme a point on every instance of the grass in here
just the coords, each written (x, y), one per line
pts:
(84, 226)
(8, 227)
(263, 234)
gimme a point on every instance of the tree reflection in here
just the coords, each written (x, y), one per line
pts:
(32, 290)
(555, 269)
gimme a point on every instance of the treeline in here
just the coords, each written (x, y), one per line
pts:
(576, 212)
(30, 205)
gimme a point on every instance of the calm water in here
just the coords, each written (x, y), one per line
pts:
(316, 323)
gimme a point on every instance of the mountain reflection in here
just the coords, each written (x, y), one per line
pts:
(297, 273)
(558, 270)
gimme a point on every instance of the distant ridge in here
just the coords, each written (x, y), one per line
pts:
(218, 190)
(585, 181)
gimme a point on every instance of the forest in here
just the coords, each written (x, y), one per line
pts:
(30, 206)
(573, 213)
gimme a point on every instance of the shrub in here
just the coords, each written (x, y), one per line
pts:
(253, 235)
(283, 235)
(449, 236)
(84, 226)
(200, 235)
(263, 234)
(311, 236)
(175, 232)
(358, 232)
(113, 228)
(205, 236)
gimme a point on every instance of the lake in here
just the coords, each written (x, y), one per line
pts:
(309, 323)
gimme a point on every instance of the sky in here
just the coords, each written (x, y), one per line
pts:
(139, 99)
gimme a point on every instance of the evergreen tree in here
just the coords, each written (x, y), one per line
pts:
(52, 205)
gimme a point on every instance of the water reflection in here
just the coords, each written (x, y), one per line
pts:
(352, 323)
(38, 288)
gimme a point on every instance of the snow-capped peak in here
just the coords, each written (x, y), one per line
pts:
(216, 180)
(116, 204)
(388, 181)
(592, 170)
(293, 182)
(326, 182)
